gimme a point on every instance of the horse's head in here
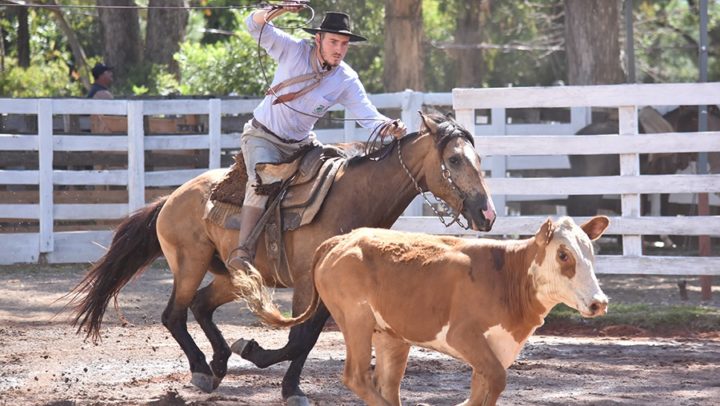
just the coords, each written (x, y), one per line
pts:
(453, 172)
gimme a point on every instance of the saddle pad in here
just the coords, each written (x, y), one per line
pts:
(231, 188)
(315, 173)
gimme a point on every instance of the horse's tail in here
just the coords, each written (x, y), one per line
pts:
(260, 302)
(134, 246)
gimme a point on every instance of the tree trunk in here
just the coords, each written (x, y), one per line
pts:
(471, 62)
(165, 32)
(77, 50)
(592, 42)
(403, 67)
(23, 38)
(121, 36)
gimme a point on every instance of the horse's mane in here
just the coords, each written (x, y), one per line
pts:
(447, 128)
(381, 153)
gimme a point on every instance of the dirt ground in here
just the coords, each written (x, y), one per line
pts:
(43, 361)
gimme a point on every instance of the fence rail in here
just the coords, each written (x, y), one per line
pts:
(508, 147)
(628, 144)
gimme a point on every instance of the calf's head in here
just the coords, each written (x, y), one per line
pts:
(563, 269)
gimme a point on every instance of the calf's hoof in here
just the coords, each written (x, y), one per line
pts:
(296, 400)
(204, 382)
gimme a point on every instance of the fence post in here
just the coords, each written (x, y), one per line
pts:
(498, 163)
(45, 174)
(348, 128)
(136, 155)
(579, 118)
(630, 166)
(215, 132)
(411, 103)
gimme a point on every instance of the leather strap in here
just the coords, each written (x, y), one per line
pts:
(315, 76)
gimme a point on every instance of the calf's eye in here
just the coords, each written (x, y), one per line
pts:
(563, 256)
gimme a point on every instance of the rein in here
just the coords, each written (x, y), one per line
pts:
(447, 175)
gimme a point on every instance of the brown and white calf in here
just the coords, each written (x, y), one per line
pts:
(477, 300)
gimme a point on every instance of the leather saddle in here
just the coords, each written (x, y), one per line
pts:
(301, 184)
(296, 190)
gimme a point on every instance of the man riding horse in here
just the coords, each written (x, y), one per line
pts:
(440, 159)
(282, 124)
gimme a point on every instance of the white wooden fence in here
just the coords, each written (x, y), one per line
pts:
(507, 152)
(630, 184)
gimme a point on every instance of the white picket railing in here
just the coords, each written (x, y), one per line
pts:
(80, 246)
(627, 144)
(508, 152)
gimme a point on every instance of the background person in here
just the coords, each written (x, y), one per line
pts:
(103, 76)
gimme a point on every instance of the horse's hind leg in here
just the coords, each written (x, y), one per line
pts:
(206, 301)
(301, 340)
(188, 274)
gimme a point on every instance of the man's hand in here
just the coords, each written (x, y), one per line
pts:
(394, 128)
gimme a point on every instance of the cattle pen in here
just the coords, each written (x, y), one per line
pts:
(36, 190)
(64, 187)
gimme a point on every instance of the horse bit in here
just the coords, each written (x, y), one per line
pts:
(447, 175)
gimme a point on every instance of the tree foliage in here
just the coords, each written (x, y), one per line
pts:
(521, 44)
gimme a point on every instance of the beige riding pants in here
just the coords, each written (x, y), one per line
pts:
(260, 147)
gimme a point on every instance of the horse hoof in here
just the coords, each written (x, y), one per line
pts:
(297, 401)
(204, 382)
(216, 382)
(239, 346)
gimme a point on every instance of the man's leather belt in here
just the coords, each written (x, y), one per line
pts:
(260, 126)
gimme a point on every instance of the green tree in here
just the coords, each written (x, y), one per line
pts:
(667, 39)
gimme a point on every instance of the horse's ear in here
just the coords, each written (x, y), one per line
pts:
(450, 115)
(429, 123)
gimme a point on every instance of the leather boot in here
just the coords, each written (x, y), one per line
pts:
(244, 253)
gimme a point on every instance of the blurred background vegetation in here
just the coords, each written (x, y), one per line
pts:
(518, 43)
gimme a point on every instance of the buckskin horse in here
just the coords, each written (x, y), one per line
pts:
(368, 191)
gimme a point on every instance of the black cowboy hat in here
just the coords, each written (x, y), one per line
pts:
(336, 23)
(99, 69)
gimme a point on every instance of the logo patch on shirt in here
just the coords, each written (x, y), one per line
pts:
(320, 109)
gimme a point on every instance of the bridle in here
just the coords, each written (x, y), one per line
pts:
(447, 176)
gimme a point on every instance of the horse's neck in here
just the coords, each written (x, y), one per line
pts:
(389, 189)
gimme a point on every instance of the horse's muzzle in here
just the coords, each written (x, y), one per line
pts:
(481, 220)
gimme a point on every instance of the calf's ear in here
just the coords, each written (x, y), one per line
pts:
(545, 233)
(595, 227)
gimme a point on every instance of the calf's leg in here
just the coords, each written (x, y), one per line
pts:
(357, 326)
(489, 377)
(391, 356)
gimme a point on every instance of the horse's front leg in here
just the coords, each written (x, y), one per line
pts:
(206, 301)
(301, 340)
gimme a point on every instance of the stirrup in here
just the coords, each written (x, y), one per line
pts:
(240, 262)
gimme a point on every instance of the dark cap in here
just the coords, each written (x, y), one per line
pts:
(99, 69)
(336, 23)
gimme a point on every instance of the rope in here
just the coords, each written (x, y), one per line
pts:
(73, 7)
(379, 131)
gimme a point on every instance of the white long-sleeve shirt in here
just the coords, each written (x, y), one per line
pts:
(342, 86)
